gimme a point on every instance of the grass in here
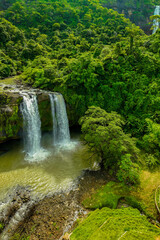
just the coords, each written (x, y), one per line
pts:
(149, 181)
(106, 196)
(158, 198)
(9, 81)
(109, 196)
(113, 224)
(142, 197)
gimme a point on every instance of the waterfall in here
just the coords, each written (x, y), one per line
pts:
(32, 124)
(53, 110)
(156, 21)
(61, 134)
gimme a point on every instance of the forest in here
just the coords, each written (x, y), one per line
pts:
(106, 67)
(94, 56)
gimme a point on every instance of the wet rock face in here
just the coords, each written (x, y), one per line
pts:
(11, 120)
(14, 210)
(44, 107)
(10, 116)
(13, 203)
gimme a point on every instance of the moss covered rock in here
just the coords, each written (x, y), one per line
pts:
(106, 196)
(11, 120)
(44, 107)
(10, 116)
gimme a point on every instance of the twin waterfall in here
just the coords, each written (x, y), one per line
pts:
(32, 122)
(156, 21)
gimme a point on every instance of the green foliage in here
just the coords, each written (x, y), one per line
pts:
(133, 202)
(40, 73)
(151, 142)
(11, 120)
(115, 193)
(91, 54)
(15, 50)
(7, 66)
(128, 172)
(151, 161)
(111, 194)
(105, 197)
(137, 11)
(128, 222)
(11, 44)
(1, 227)
(104, 135)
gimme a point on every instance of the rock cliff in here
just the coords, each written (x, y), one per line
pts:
(11, 121)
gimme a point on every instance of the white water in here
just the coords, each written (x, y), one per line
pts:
(53, 110)
(156, 21)
(16, 219)
(32, 128)
(61, 134)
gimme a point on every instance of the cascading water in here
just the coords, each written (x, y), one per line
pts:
(53, 110)
(61, 134)
(32, 124)
(62, 120)
(156, 21)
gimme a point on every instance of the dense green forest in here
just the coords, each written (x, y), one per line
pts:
(94, 57)
(137, 11)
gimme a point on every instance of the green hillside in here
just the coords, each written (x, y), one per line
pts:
(91, 54)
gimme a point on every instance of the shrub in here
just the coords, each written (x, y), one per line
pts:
(128, 172)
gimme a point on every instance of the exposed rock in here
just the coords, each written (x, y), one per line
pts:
(14, 209)
(10, 117)
(45, 111)
(66, 237)
(11, 122)
(54, 217)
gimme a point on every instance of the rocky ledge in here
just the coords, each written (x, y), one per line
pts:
(11, 122)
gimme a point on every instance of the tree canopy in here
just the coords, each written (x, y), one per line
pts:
(93, 55)
(105, 137)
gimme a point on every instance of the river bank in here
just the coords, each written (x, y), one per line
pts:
(52, 216)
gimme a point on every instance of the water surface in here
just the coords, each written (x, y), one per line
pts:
(57, 172)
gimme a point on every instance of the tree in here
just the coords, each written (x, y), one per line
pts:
(151, 140)
(105, 137)
(128, 171)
